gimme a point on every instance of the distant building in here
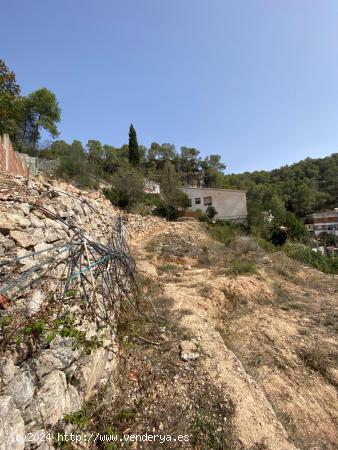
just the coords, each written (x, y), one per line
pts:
(323, 222)
(230, 204)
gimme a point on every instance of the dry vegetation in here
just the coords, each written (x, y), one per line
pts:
(266, 332)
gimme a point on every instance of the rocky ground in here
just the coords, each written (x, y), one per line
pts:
(54, 348)
(234, 361)
(232, 347)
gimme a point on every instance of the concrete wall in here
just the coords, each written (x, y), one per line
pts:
(230, 204)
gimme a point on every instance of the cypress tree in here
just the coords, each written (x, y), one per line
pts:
(134, 154)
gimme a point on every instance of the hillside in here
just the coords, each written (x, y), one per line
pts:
(304, 187)
(226, 346)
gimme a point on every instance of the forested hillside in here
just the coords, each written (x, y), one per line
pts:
(307, 186)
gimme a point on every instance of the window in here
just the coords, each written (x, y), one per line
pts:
(207, 201)
(197, 201)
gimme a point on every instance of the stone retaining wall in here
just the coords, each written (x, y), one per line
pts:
(41, 383)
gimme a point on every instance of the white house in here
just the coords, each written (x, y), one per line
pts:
(230, 204)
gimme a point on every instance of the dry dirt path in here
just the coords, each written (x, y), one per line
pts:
(254, 424)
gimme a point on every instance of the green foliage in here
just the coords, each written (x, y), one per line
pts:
(265, 245)
(302, 188)
(173, 197)
(224, 232)
(305, 255)
(78, 418)
(211, 212)
(134, 155)
(9, 101)
(127, 188)
(242, 268)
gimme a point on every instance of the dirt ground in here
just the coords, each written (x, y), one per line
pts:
(232, 360)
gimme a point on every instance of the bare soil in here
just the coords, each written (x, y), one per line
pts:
(266, 372)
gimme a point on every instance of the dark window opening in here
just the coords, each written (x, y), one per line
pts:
(197, 201)
(207, 201)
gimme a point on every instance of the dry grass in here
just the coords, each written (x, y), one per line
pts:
(317, 357)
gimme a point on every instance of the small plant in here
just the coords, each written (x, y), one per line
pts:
(265, 245)
(223, 232)
(317, 358)
(35, 329)
(167, 268)
(78, 418)
(288, 306)
(211, 212)
(331, 321)
(242, 268)
(151, 247)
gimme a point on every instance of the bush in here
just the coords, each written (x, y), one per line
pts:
(204, 218)
(317, 358)
(127, 188)
(224, 232)
(265, 245)
(211, 212)
(307, 256)
(242, 268)
(167, 268)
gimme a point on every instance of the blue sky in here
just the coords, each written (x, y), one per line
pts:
(253, 80)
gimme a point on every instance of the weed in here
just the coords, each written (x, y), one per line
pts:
(288, 306)
(242, 268)
(317, 358)
(265, 245)
(331, 321)
(167, 268)
(224, 233)
(78, 419)
(151, 247)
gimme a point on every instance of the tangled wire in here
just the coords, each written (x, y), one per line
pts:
(99, 275)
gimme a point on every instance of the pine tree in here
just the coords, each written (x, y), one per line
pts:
(134, 154)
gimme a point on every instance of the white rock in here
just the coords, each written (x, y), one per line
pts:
(14, 221)
(7, 369)
(189, 350)
(34, 302)
(21, 389)
(59, 356)
(52, 397)
(12, 425)
(36, 223)
(90, 372)
(28, 238)
(24, 207)
(42, 247)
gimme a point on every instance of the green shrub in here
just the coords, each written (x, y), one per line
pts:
(211, 212)
(242, 268)
(223, 232)
(307, 256)
(265, 245)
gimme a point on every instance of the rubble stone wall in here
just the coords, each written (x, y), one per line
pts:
(38, 385)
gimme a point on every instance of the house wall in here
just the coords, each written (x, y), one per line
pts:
(230, 204)
(324, 222)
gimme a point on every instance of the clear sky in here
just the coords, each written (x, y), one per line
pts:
(253, 80)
